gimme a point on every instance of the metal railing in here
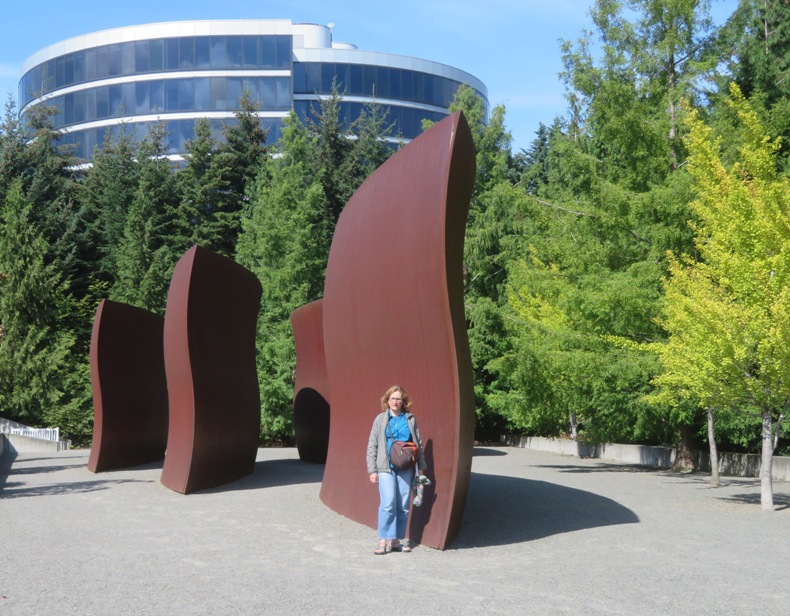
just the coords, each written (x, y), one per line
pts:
(47, 434)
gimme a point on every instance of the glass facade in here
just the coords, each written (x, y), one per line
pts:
(405, 122)
(188, 53)
(374, 82)
(99, 87)
(159, 96)
(178, 132)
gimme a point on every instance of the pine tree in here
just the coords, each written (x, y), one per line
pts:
(105, 195)
(153, 239)
(35, 348)
(285, 242)
(237, 163)
(203, 189)
(333, 149)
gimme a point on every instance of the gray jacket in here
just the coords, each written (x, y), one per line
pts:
(377, 444)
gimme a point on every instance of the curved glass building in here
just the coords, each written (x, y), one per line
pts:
(179, 71)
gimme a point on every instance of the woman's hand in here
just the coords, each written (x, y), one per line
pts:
(374, 478)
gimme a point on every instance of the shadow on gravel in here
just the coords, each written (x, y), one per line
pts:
(274, 473)
(18, 489)
(781, 501)
(600, 467)
(6, 461)
(507, 510)
(480, 452)
(265, 474)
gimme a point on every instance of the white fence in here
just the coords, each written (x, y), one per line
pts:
(47, 434)
(19, 438)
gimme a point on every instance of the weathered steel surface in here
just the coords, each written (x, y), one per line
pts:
(129, 387)
(209, 347)
(393, 314)
(311, 388)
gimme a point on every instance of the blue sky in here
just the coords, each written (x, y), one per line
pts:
(513, 46)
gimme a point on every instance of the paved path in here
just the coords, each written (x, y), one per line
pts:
(542, 534)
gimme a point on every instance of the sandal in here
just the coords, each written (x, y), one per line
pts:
(406, 548)
(396, 546)
(381, 549)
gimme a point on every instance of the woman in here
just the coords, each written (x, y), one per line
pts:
(395, 423)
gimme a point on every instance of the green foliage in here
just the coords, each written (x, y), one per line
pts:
(204, 189)
(236, 166)
(37, 368)
(605, 199)
(728, 312)
(285, 242)
(153, 238)
(333, 150)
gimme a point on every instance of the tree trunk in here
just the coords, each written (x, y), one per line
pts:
(684, 456)
(766, 482)
(714, 453)
(671, 85)
(778, 429)
(574, 427)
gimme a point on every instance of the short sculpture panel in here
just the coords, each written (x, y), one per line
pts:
(311, 389)
(394, 314)
(130, 414)
(209, 348)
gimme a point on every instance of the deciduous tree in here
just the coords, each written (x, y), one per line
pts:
(728, 310)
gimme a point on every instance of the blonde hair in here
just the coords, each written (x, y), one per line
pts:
(385, 398)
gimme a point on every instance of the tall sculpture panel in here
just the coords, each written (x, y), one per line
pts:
(393, 314)
(130, 414)
(311, 388)
(209, 350)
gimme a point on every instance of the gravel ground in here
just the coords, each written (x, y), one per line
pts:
(542, 534)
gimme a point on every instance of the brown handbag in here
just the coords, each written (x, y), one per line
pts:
(403, 454)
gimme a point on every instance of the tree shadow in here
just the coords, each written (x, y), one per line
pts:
(602, 467)
(508, 510)
(781, 501)
(18, 489)
(10, 458)
(265, 474)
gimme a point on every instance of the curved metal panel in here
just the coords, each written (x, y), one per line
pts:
(311, 388)
(209, 348)
(129, 387)
(393, 314)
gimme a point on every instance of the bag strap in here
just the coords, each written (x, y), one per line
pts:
(391, 436)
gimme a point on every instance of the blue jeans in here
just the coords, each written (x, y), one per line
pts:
(394, 490)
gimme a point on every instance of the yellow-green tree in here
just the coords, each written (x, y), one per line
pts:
(727, 308)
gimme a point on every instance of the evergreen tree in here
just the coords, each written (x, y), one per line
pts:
(105, 195)
(153, 239)
(494, 219)
(285, 242)
(237, 162)
(12, 148)
(333, 150)
(758, 38)
(36, 361)
(204, 191)
(369, 147)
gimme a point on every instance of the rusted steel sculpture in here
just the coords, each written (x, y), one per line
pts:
(311, 389)
(129, 387)
(394, 314)
(209, 348)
